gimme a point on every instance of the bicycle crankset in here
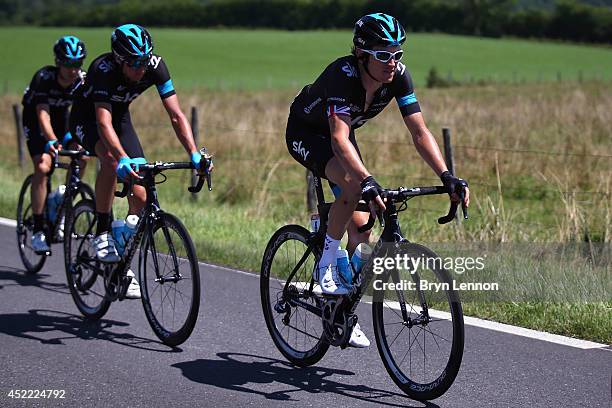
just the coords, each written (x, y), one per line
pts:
(337, 325)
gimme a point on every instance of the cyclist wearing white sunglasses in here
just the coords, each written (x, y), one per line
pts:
(321, 135)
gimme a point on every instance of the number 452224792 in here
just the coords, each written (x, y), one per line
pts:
(36, 394)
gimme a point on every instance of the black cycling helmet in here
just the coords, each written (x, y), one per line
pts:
(69, 50)
(378, 29)
(131, 42)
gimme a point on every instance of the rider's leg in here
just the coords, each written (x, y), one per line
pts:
(138, 200)
(339, 216)
(354, 236)
(106, 181)
(42, 166)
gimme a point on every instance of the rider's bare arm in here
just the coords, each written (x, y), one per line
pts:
(344, 150)
(104, 118)
(179, 123)
(425, 143)
(44, 120)
(428, 148)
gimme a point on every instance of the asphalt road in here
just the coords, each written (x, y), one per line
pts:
(230, 360)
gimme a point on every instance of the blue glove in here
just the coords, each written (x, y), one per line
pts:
(137, 161)
(67, 139)
(124, 167)
(196, 160)
(49, 144)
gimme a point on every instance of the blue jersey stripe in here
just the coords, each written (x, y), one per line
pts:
(165, 88)
(406, 100)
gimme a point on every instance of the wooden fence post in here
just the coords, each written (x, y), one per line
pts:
(20, 137)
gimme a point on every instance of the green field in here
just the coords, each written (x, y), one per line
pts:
(241, 59)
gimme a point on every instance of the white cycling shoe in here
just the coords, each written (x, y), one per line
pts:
(133, 291)
(330, 282)
(358, 338)
(39, 243)
(104, 245)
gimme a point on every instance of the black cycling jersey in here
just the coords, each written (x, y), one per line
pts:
(339, 91)
(106, 83)
(45, 89)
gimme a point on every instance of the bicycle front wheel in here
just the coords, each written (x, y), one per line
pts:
(289, 306)
(32, 261)
(169, 280)
(83, 270)
(419, 328)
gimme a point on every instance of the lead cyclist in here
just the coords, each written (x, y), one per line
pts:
(321, 136)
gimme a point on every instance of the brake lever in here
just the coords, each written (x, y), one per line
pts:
(127, 188)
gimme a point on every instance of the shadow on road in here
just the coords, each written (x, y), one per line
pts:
(44, 325)
(240, 372)
(21, 278)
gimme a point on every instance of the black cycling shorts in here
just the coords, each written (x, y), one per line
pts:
(86, 131)
(35, 138)
(311, 148)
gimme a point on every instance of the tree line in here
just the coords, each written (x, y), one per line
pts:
(568, 20)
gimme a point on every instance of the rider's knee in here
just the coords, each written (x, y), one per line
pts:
(351, 194)
(107, 162)
(42, 166)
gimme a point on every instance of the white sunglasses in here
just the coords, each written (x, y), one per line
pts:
(385, 56)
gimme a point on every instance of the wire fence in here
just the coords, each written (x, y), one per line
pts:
(474, 182)
(298, 190)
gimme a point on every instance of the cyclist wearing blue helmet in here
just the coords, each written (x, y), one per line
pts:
(101, 119)
(45, 108)
(321, 135)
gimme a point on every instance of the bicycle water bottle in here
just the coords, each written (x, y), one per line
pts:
(315, 222)
(344, 269)
(118, 229)
(54, 200)
(360, 257)
(130, 227)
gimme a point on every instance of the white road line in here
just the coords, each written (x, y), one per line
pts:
(8, 222)
(472, 321)
(518, 331)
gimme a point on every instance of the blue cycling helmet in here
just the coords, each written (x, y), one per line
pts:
(131, 42)
(378, 29)
(69, 49)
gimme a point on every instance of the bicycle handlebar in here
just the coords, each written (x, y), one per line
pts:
(159, 167)
(401, 194)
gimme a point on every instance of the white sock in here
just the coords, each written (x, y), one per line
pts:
(330, 248)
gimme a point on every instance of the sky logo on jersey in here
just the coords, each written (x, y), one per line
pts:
(105, 65)
(129, 97)
(333, 110)
(350, 70)
(297, 147)
(154, 62)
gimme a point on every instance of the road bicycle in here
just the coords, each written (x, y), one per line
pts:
(168, 269)
(76, 190)
(419, 331)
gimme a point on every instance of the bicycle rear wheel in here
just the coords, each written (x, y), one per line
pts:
(296, 331)
(83, 270)
(169, 280)
(32, 261)
(419, 332)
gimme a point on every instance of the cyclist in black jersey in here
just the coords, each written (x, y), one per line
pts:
(45, 109)
(321, 135)
(101, 119)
